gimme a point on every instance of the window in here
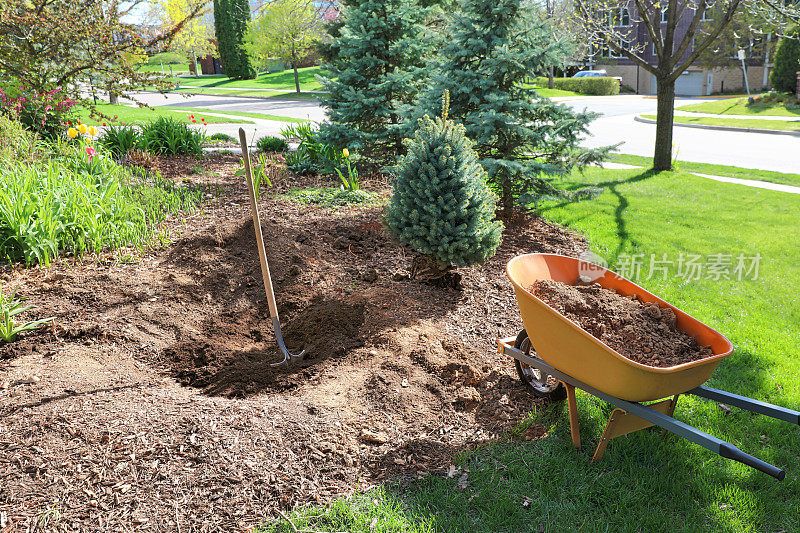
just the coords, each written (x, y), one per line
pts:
(625, 17)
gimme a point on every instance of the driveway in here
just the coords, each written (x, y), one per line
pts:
(742, 149)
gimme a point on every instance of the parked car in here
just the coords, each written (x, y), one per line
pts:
(591, 74)
(595, 74)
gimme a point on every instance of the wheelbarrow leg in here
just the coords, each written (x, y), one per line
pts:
(622, 422)
(574, 428)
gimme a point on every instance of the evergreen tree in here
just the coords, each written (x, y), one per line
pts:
(375, 66)
(787, 63)
(230, 24)
(441, 205)
(494, 46)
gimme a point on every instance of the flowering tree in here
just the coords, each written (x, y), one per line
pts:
(195, 38)
(286, 29)
(46, 44)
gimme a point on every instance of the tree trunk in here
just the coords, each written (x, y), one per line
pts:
(550, 77)
(507, 197)
(662, 158)
(113, 98)
(296, 76)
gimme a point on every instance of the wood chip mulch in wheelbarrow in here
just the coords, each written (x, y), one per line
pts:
(642, 332)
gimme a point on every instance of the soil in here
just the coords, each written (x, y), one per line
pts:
(642, 332)
(150, 404)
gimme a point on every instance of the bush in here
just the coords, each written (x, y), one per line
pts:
(787, 63)
(593, 86)
(312, 155)
(80, 202)
(16, 143)
(119, 140)
(220, 137)
(441, 205)
(165, 135)
(272, 144)
(167, 58)
(43, 113)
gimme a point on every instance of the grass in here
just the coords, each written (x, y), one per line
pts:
(783, 125)
(132, 115)
(738, 106)
(168, 69)
(716, 170)
(553, 93)
(645, 482)
(244, 114)
(277, 81)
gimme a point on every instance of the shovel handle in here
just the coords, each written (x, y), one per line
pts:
(262, 254)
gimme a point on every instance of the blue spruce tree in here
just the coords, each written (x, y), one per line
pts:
(494, 46)
(441, 205)
(375, 60)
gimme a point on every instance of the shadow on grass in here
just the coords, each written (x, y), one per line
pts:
(613, 187)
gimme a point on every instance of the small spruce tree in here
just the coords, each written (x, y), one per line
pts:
(787, 63)
(494, 46)
(441, 205)
(375, 58)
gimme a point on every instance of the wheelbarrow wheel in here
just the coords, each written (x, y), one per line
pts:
(537, 382)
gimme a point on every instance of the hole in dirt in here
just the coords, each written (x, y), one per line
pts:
(228, 362)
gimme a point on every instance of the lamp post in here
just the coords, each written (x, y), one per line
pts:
(744, 73)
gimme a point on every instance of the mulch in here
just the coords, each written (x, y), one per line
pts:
(151, 404)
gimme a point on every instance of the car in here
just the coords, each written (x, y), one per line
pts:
(591, 74)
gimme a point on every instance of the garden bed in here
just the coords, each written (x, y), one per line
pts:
(156, 406)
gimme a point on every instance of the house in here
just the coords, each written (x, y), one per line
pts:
(696, 81)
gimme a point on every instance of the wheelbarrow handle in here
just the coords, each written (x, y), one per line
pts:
(748, 404)
(729, 451)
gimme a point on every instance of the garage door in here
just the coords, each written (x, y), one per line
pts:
(690, 83)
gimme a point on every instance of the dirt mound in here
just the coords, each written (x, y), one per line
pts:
(642, 332)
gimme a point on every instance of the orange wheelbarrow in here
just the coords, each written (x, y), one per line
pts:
(554, 356)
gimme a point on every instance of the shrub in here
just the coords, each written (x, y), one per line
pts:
(312, 155)
(167, 58)
(220, 137)
(119, 140)
(165, 135)
(272, 144)
(44, 113)
(16, 143)
(595, 86)
(787, 63)
(441, 205)
(80, 202)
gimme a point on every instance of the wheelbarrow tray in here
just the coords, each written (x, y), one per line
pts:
(563, 344)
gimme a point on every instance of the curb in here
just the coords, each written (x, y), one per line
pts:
(638, 118)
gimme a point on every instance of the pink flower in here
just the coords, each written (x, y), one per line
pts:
(91, 152)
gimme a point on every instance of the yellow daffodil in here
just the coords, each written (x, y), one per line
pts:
(92, 131)
(82, 128)
(72, 132)
(346, 152)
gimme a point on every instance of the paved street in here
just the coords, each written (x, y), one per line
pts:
(616, 125)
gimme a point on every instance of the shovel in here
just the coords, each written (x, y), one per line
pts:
(262, 255)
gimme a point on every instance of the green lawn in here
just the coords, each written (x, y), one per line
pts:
(551, 93)
(645, 483)
(244, 114)
(716, 170)
(175, 68)
(279, 81)
(783, 125)
(131, 115)
(738, 106)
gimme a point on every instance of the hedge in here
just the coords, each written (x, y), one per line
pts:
(593, 86)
